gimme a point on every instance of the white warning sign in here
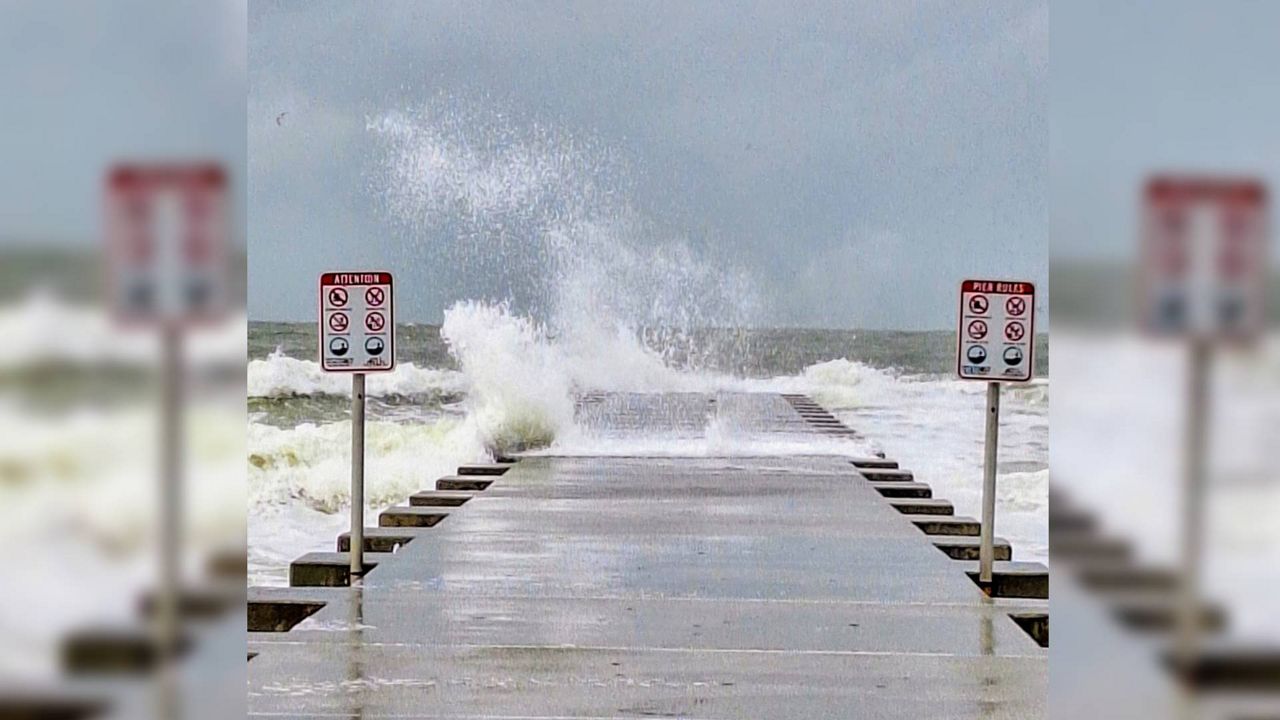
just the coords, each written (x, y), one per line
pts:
(167, 234)
(996, 336)
(1203, 270)
(357, 323)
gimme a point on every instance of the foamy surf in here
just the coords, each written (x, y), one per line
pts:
(281, 376)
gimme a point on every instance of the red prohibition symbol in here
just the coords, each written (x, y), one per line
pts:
(977, 330)
(338, 322)
(374, 296)
(338, 297)
(1014, 331)
(978, 304)
(374, 321)
(1015, 306)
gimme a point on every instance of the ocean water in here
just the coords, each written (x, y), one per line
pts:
(490, 380)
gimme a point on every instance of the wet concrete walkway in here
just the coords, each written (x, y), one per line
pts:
(762, 587)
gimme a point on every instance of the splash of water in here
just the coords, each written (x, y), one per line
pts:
(592, 292)
(547, 217)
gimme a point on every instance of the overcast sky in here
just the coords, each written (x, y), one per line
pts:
(1192, 86)
(86, 84)
(855, 161)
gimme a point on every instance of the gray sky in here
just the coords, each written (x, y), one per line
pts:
(1190, 86)
(853, 163)
(89, 83)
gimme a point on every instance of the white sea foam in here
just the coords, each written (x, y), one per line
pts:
(43, 329)
(78, 499)
(280, 376)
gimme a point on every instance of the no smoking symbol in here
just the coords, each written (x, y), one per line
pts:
(338, 297)
(374, 296)
(338, 322)
(1014, 331)
(1015, 306)
(978, 305)
(374, 321)
(977, 329)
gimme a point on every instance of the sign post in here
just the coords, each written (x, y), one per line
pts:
(166, 231)
(357, 335)
(1202, 280)
(995, 343)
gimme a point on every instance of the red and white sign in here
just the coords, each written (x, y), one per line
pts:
(167, 233)
(996, 333)
(1204, 248)
(357, 322)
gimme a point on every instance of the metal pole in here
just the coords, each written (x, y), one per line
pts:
(357, 475)
(167, 623)
(170, 490)
(1195, 444)
(986, 551)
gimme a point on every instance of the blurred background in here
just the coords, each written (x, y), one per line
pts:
(87, 86)
(1137, 90)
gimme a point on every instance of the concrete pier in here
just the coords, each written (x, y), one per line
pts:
(732, 587)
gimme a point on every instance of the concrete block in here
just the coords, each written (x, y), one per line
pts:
(1015, 579)
(410, 516)
(1156, 612)
(1123, 576)
(199, 602)
(922, 506)
(944, 525)
(229, 563)
(23, 702)
(484, 469)
(279, 609)
(903, 490)
(1231, 666)
(114, 650)
(459, 482)
(967, 548)
(1070, 520)
(328, 569)
(1035, 623)
(380, 539)
(874, 463)
(1072, 545)
(887, 475)
(435, 498)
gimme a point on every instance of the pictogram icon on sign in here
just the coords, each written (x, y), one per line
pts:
(375, 296)
(1013, 356)
(977, 354)
(978, 304)
(374, 346)
(338, 346)
(977, 329)
(1015, 306)
(374, 322)
(338, 297)
(1014, 331)
(338, 322)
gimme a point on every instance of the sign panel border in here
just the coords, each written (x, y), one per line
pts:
(1031, 324)
(389, 306)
